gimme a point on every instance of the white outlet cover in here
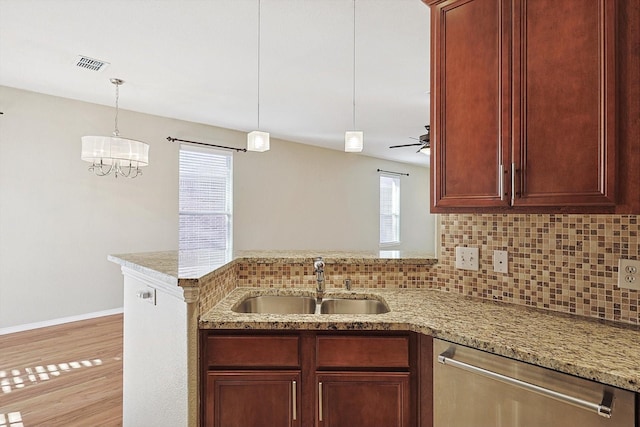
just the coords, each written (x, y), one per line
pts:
(467, 258)
(629, 274)
(500, 261)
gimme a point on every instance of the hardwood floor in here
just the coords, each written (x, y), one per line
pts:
(66, 375)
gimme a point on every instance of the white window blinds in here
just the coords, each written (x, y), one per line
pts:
(389, 210)
(205, 201)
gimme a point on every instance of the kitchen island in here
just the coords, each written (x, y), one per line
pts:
(602, 351)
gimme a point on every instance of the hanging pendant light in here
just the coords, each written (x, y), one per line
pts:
(257, 140)
(114, 154)
(354, 139)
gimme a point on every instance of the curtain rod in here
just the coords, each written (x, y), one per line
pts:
(170, 139)
(393, 173)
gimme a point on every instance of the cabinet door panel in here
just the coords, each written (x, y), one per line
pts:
(470, 111)
(252, 399)
(349, 399)
(564, 79)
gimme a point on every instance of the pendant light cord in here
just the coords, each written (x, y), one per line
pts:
(354, 65)
(259, 10)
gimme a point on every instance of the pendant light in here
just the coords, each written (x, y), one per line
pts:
(257, 140)
(354, 139)
(114, 154)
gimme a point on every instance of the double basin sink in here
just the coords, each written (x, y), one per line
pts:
(293, 304)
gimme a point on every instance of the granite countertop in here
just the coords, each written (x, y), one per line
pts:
(191, 267)
(604, 352)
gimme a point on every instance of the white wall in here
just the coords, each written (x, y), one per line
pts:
(58, 222)
(306, 197)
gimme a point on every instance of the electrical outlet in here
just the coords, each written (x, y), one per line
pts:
(466, 258)
(500, 261)
(629, 274)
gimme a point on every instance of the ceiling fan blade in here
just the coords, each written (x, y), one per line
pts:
(406, 145)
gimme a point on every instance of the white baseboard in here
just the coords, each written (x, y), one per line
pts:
(53, 322)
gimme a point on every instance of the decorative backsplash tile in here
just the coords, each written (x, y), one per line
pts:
(566, 263)
(217, 286)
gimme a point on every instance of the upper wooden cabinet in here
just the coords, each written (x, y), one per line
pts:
(524, 106)
(470, 103)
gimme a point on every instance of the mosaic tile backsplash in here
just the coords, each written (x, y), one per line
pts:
(566, 263)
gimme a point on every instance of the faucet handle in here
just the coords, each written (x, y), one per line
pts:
(318, 264)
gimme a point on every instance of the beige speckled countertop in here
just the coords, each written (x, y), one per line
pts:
(604, 352)
(191, 267)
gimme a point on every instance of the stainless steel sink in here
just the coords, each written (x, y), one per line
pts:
(353, 306)
(295, 304)
(277, 304)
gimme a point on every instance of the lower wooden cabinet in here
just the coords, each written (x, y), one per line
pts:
(314, 379)
(363, 399)
(252, 399)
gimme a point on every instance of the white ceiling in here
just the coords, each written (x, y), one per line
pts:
(197, 60)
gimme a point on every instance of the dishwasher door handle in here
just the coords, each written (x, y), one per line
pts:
(603, 409)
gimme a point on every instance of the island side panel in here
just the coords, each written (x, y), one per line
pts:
(155, 378)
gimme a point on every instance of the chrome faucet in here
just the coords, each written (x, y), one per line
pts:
(318, 269)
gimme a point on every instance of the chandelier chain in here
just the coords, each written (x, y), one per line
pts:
(117, 82)
(116, 132)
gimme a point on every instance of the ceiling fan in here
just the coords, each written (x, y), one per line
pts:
(424, 142)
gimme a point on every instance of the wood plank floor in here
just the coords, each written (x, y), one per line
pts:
(66, 375)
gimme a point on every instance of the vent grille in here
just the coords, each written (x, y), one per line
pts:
(90, 63)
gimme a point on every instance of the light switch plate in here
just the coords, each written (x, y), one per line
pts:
(500, 261)
(629, 273)
(466, 258)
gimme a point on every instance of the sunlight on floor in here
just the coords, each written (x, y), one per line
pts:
(14, 379)
(11, 419)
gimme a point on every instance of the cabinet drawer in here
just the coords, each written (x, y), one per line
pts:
(253, 351)
(362, 351)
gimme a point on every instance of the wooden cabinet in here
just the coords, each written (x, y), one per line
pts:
(347, 396)
(252, 399)
(363, 399)
(314, 379)
(470, 103)
(250, 381)
(525, 109)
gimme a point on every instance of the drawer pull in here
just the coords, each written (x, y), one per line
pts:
(294, 399)
(320, 401)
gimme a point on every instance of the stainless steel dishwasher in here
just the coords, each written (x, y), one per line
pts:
(472, 388)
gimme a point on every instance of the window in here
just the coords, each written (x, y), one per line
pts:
(206, 202)
(389, 210)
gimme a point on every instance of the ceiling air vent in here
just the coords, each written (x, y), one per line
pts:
(90, 63)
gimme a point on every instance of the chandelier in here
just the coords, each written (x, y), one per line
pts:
(114, 154)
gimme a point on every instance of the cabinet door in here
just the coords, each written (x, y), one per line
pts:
(252, 399)
(470, 108)
(564, 102)
(363, 399)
